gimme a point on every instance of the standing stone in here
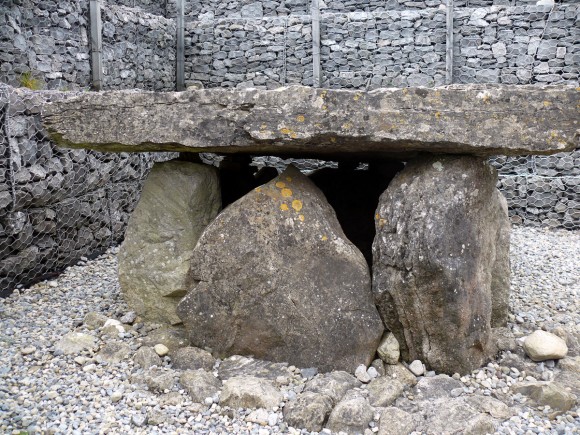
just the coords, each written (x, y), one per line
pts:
(277, 279)
(434, 260)
(501, 273)
(178, 200)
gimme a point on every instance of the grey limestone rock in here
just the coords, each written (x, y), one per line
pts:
(395, 421)
(434, 257)
(384, 391)
(297, 119)
(275, 270)
(250, 392)
(334, 384)
(309, 411)
(200, 384)
(351, 415)
(192, 358)
(114, 352)
(178, 200)
(159, 380)
(146, 357)
(75, 342)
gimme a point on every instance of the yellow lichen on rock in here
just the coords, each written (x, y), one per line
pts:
(297, 205)
(286, 193)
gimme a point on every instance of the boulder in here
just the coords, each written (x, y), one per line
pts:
(159, 380)
(172, 338)
(277, 279)
(238, 365)
(435, 253)
(177, 202)
(542, 345)
(322, 122)
(309, 411)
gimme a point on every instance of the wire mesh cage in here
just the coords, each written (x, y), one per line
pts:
(56, 205)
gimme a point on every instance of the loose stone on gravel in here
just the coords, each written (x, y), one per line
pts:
(542, 346)
(48, 391)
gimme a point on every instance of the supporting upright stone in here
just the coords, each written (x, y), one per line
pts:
(179, 199)
(276, 278)
(435, 258)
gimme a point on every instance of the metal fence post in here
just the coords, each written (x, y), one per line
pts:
(316, 72)
(180, 53)
(449, 46)
(96, 44)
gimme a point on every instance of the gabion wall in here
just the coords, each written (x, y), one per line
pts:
(56, 205)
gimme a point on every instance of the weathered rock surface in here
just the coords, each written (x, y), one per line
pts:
(250, 392)
(389, 349)
(352, 415)
(435, 253)
(384, 391)
(178, 200)
(301, 120)
(334, 385)
(192, 358)
(238, 365)
(113, 352)
(146, 357)
(75, 342)
(547, 393)
(172, 338)
(200, 384)
(278, 280)
(395, 421)
(309, 411)
(542, 345)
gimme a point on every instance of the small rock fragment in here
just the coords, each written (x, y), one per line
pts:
(389, 349)
(146, 357)
(417, 368)
(161, 349)
(250, 392)
(362, 375)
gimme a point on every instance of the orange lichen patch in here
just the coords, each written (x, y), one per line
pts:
(288, 179)
(333, 139)
(346, 126)
(300, 118)
(382, 222)
(297, 205)
(263, 127)
(286, 193)
(356, 97)
(301, 217)
(377, 216)
(280, 185)
(437, 115)
(258, 189)
(289, 132)
(324, 238)
(547, 104)
(284, 207)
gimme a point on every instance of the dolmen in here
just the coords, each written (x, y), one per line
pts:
(320, 270)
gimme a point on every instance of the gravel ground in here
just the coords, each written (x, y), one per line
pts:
(42, 390)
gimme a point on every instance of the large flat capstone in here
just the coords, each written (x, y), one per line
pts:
(460, 119)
